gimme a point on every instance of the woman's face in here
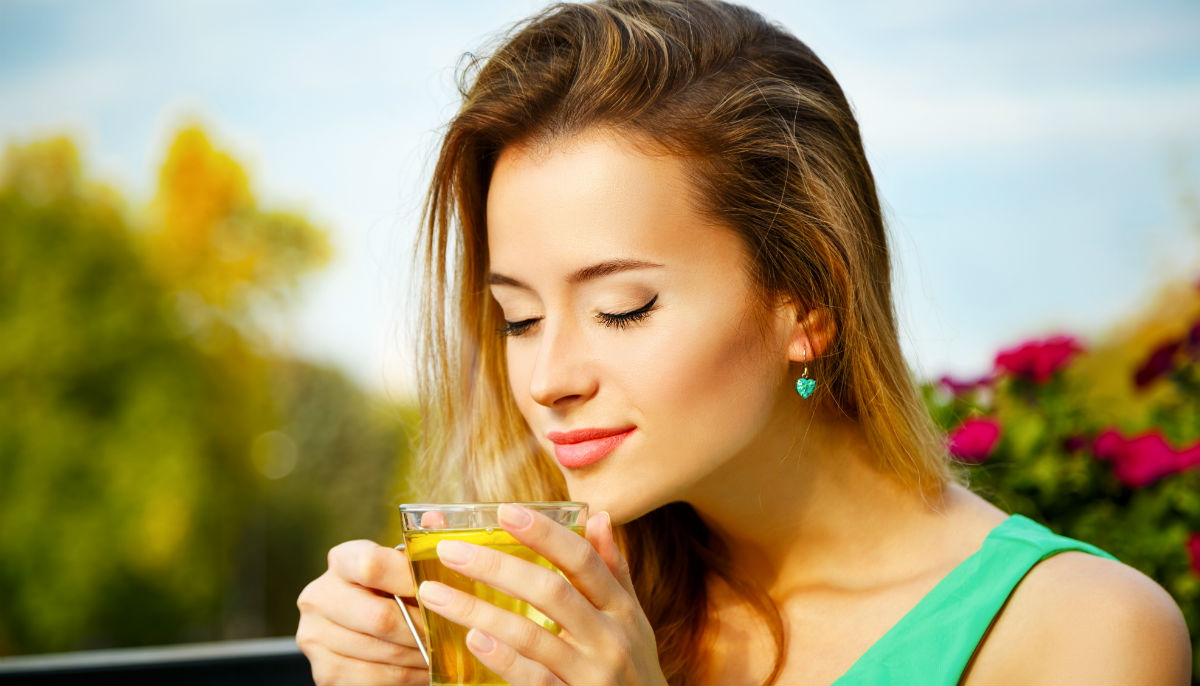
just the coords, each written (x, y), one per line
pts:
(638, 350)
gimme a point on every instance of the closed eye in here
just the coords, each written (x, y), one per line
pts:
(619, 320)
(623, 319)
(517, 328)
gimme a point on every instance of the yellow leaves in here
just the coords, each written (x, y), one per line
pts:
(210, 238)
(199, 186)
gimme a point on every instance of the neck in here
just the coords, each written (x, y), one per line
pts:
(805, 506)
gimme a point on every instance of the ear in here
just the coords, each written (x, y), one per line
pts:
(811, 334)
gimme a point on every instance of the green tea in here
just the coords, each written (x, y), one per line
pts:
(450, 661)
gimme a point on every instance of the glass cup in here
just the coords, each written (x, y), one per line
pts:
(445, 643)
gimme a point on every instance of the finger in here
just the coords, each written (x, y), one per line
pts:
(594, 533)
(371, 565)
(364, 611)
(521, 633)
(433, 520)
(538, 585)
(600, 535)
(319, 631)
(568, 551)
(329, 667)
(513, 667)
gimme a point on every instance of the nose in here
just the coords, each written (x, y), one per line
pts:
(562, 374)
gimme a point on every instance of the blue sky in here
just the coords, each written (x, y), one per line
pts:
(1030, 155)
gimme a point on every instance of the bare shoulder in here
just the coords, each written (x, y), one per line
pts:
(1078, 618)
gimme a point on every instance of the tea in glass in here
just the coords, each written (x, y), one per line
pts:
(424, 526)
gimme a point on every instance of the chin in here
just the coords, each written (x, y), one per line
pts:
(621, 505)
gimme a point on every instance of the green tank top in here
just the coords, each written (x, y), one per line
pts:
(933, 642)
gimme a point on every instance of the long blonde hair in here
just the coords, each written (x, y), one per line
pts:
(773, 148)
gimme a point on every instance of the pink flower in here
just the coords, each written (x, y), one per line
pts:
(1141, 460)
(1193, 546)
(974, 440)
(1108, 444)
(1157, 363)
(1038, 360)
(961, 386)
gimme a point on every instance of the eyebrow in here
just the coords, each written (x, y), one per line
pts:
(588, 273)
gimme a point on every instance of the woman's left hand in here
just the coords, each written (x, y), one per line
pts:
(605, 636)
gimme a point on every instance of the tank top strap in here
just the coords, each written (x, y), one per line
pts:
(933, 642)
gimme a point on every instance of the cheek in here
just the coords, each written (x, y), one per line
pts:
(519, 363)
(704, 387)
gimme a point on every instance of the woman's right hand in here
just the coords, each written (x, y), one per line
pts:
(351, 629)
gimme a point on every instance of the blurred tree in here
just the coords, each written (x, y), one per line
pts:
(162, 476)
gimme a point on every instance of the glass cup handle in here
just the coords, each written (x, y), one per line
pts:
(409, 621)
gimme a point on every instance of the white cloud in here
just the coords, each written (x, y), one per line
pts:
(929, 121)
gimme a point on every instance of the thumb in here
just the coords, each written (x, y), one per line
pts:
(600, 534)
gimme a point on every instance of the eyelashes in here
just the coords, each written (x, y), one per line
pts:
(619, 320)
(516, 328)
(624, 319)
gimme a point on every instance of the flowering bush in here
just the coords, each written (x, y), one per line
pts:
(1100, 443)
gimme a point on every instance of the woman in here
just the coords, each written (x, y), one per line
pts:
(658, 282)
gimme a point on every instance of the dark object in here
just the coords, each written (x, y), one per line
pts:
(1158, 363)
(259, 661)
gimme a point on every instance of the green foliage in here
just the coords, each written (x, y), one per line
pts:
(1049, 465)
(163, 477)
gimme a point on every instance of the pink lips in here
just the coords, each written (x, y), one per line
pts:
(586, 446)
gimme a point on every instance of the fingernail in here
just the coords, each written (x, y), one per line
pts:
(455, 552)
(434, 594)
(599, 521)
(515, 516)
(480, 642)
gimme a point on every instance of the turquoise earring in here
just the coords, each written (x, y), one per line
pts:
(804, 385)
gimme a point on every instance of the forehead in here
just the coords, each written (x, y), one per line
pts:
(596, 196)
